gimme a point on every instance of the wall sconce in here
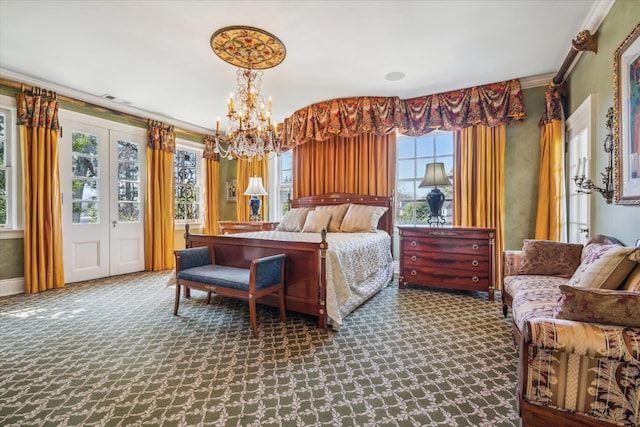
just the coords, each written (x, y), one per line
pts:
(584, 184)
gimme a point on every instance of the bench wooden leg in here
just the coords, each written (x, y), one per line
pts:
(208, 297)
(177, 301)
(283, 315)
(252, 315)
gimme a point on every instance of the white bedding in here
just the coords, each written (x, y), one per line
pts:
(359, 265)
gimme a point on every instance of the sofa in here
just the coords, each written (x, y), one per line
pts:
(576, 325)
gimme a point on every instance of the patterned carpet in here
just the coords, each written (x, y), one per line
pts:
(111, 353)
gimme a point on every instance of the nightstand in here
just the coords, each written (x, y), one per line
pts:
(231, 227)
(448, 257)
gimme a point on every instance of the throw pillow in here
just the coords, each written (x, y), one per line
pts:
(599, 306)
(361, 219)
(549, 258)
(316, 221)
(604, 266)
(294, 220)
(337, 215)
(632, 283)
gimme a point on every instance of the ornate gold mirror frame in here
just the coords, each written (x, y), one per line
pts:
(626, 129)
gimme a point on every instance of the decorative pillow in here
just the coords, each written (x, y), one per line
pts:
(337, 214)
(316, 221)
(604, 266)
(361, 219)
(632, 283)
(599, 306)
(293, 220)
(549, 258)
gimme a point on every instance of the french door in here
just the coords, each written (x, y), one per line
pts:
(102, 171)
(579, 136)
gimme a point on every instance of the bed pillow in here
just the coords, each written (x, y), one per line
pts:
(316, 221)
(549, 258)
(337, 215)
(293, 220)
(599, 306)
(361, 219)
(604, 266)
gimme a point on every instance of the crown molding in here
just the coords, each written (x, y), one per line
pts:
(536, 81)
(101, 102)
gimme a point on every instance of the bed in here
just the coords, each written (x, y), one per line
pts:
(327, 275)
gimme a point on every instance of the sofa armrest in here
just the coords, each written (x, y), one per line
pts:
(192, 257)
(594, 340)
(268, 271)
(511, 263)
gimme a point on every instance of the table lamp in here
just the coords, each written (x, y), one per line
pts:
(435, 175)
(255, 189)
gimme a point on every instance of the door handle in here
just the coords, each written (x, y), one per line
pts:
(114, 223)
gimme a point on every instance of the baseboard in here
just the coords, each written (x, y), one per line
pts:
(12, 286)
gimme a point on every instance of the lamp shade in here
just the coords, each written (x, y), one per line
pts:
(255, 187)
(435, 175)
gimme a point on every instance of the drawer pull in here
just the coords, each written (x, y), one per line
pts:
(413, 243)
(475, 263)
(475, 246)
(475, 279)
(413, 258)
(413, 272)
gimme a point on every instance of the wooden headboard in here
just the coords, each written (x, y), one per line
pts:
(386, 221)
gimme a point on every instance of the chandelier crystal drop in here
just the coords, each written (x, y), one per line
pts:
(250, 132)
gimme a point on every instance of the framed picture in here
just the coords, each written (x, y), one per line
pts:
(232, 190)
(626, 133)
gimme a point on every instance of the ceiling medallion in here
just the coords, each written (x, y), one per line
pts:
(248, 47)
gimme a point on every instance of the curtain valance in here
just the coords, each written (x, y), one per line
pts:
(161, 137)
(37, 111)
(489, 105)
(209, 149)
(552, 105)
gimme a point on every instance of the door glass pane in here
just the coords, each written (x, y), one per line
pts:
(128, 182)
(85, 184)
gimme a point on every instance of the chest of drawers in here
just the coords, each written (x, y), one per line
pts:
(448, 257)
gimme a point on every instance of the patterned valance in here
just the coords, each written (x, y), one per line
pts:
(552, 104)
(489, 105)
(37, 111)
(161, 137)
(208, 152)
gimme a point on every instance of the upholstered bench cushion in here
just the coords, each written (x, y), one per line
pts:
(218, 275)
(534, 297)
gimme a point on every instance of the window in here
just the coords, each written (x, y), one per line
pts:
(285, 182)
(86, 182)
(10, 171)
(188, 185)
(413, 155)
(5, 172)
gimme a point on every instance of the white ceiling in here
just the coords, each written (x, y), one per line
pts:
(155, 57)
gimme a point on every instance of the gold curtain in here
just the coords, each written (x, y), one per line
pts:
(212, 190)
(364, 164)
(37, 119)
(245, 170)
(551, 194)
(160, 201)
(478, 183)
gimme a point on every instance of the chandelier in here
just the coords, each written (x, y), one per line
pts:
(250, 132)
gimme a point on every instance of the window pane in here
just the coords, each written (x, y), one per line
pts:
(84, 189)
(3, 210)
(85, 213)
(129, 212)
(405, 190)
(128, 191)
(425, 146)
(3, 138)
(127, 151)
(286, 160)
(406, 169)
(128, 171)
(406, 148)
(84, 143)
(444, 143)
(84, 166)
(287, 177)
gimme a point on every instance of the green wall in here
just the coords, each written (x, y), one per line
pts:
(594, 75)
(11, 259)
(521, 163)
